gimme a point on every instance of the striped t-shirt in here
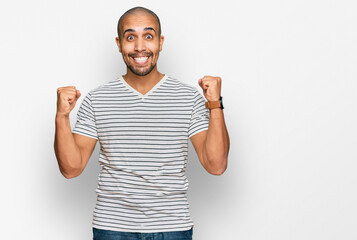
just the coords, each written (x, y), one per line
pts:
(142, 185)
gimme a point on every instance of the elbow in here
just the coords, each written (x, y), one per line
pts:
(218, 173)
(68, 169)
(220, 169)
(70, 174)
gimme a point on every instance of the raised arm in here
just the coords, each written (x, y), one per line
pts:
(72, 150)
(212, 145)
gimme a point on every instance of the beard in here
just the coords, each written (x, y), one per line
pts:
(141, 71)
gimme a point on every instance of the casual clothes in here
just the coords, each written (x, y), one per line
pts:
(99, 234)
(142, 185)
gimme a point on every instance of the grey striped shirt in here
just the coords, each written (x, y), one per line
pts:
(142, 185)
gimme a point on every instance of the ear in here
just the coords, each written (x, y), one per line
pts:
(118, 43)
(161, 42)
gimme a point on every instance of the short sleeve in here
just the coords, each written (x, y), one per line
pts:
(200, 115)
(85, 124)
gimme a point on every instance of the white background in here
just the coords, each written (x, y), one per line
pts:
(288, 72)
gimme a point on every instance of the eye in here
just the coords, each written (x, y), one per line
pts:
(149, 36)
(130, 37)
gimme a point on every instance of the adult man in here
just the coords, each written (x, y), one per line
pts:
(143, 121)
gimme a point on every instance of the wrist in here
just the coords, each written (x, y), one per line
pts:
(214, 104)
(61, 116)
(213, 100)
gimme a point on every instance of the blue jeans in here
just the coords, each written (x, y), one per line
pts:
(100, 234)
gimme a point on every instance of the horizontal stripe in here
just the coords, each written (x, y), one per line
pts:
(142, 185)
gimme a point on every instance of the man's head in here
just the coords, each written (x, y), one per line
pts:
(139, 40)
(137, 10)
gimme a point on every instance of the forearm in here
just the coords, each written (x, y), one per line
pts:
(216, 146)
(66, 150)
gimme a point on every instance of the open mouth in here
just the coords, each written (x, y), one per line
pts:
(141, 60)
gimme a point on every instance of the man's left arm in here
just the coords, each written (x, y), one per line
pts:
(212, 145)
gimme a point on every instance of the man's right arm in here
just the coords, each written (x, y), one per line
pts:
(72, 150)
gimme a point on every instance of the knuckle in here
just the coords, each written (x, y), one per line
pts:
(70, 88)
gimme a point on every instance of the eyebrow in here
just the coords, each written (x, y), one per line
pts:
(132, 30)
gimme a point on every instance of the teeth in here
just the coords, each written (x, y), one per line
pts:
(141, 59)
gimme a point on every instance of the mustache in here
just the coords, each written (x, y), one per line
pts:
(143, 54)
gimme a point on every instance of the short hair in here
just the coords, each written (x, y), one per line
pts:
(134, 10)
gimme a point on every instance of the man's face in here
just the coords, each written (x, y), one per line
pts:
(140, 43)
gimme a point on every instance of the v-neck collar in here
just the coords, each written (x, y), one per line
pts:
(139, 94)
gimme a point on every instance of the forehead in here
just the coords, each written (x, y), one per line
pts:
(139, 21)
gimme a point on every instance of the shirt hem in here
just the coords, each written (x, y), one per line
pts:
(138, 230)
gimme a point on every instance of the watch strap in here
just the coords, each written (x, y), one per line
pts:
(213, 104)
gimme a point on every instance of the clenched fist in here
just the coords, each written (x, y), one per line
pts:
(66, 99)
(211, 87)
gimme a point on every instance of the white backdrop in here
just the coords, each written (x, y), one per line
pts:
(288, 72)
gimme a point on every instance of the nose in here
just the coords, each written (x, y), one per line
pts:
(140, 45)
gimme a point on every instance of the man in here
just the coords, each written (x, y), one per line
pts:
(143, 121)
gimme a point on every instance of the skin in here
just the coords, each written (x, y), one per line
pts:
(212, 146)
(140, 38)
